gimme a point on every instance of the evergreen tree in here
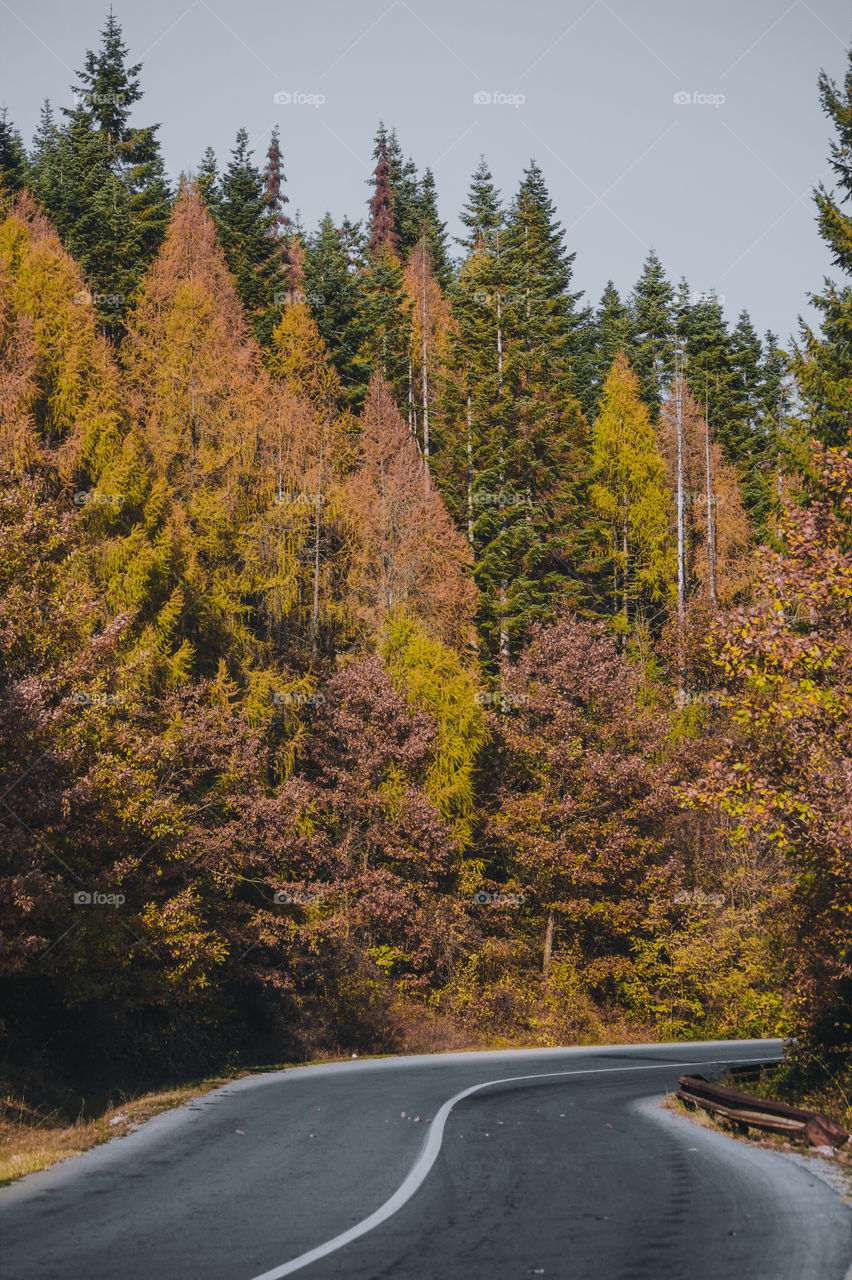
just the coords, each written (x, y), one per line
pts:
(381, 223)
(13, 157)
(613, 332)
(387, 316)
(483, 213)
(653, 345)
(405, 195)
(91, 209)
(207, 181)
(541, 308)
(274, 179)
(247, 223)
(823, 361)
(333, 288)
(106, 91)
(434, 230)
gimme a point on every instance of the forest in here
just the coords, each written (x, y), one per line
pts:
(398, 651)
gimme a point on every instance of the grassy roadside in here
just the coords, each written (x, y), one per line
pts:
(831, 1099)
(34, 1138)
(31, 1139)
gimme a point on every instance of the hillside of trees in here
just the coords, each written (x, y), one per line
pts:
(396, 650)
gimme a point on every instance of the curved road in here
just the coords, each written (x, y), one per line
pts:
(548, 1162)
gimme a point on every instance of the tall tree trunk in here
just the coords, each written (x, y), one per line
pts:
(469, 474)
(711, 529)
(315, 607)
(425, 372)
(681, 549)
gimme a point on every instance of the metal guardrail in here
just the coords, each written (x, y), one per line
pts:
(749, 1111)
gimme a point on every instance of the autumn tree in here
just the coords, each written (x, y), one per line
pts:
(631, 496)
(410, 556)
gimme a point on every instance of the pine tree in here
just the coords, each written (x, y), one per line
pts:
(405, 196)
(613, 332)
(333, 288)
(247, 222)
(541, 308)
(483, 213)
(631, 495)
(207, 181)
(823, 361)
(13, 157)
(274, 179)
(91, 209)
(653, 344)
(381, 226)
(387, 316)
(106, 92)
(434, 230)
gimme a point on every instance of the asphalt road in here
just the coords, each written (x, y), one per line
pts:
(566, 1169)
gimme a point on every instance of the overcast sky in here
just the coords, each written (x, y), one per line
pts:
(718, 184)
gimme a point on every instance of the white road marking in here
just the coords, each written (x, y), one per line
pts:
(427, 1158)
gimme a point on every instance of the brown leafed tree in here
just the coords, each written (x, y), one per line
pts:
(410, 556)
(430, 325)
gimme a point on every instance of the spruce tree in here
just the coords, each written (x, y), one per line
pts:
(823, 360)
(405, 195)
(246, 222)
(107, 90)
(334, 290)
(483, 213)
(653, 342)
(387, 320)
(613, 332)
(381, 225)
(13, 157)
(434, 230)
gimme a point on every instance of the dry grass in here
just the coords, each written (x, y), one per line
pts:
(30, 1140)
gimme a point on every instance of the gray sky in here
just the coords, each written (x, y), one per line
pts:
(720, 188)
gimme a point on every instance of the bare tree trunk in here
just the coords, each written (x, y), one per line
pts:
(711, 530)
(315, 608)
(681, 549)
(425, 371)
